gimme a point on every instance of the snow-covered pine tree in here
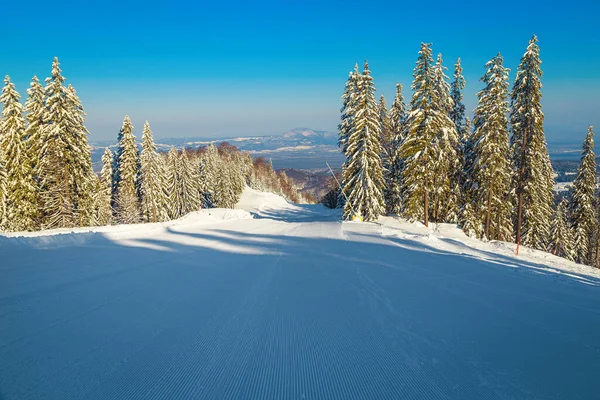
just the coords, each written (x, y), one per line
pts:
(82, 171)
(387, 152)
(35, 110)
(457, 114)
(491, 169)
(151, 186)
(393, 174)
(581, 206)
(21, 204)
(446, 191)
(103, 193)
(533, 178)
(363, 174)
(561, 235)
(127, 200)
(64, 169)
(348, 107)
(469, 218)
(225, 194)
(209, 176)
(3, 192)
(427, 121)
(175, 185)
(189, 188)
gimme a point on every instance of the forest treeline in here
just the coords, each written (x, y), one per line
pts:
(426, 161)
(47, 180)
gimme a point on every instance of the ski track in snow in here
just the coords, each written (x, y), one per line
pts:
(279, 301)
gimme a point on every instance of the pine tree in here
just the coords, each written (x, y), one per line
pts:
(209, 170)
(428, 131)
(151, 186)
(582, 208)
(189, 195)
(82, 172)
(533, 179)
(446, 193)
(127, 200)
(561, 236)
(491, 172)
(103, 192)
(65, 167)
(21, 202)
(35, 110)
(363, 174)
(393, 173)
(175, 185)
(457, 114)
(348, 111)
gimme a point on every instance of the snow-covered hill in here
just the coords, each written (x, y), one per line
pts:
(280, 301)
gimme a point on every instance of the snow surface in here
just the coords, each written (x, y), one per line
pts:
(281, 301)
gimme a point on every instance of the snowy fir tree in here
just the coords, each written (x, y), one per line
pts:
(175, 191)
(64, 169)
(21, 202)
(82, 172)
(103, 192)
(348, 107)
(561, 236)
(188, 186)
(151, 184)
(457, 114)
(491, 169)
(127, 200)
(35, 110)
(426, 125)
(582, 207)
(446, 192)
(363, 173)
(393, 173)
(533, 178)
(209, 170)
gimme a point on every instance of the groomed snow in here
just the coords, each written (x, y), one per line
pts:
(281, 301)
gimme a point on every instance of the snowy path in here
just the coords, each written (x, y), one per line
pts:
(291, 304)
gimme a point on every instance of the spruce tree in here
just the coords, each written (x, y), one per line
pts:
(582, 207)
(103, 193)
(21, 202)
(65, 167)
(393, 174)
(427, 124)
(189, 188)
(491, 170)
(35, 111)
(127, 200)
(151, 186)
(457, 114)
(363, 174)
(175, 185)
(82, 171)
(348, 111)
(533, 178)
(446, 191)
(561, 236)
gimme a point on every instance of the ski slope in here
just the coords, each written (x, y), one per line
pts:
(279, 301)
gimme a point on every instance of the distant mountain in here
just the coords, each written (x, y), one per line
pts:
(295, 139)
(297, 148)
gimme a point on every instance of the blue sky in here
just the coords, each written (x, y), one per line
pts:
(260, 67)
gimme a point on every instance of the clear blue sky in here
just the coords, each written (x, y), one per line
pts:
(221, 68)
